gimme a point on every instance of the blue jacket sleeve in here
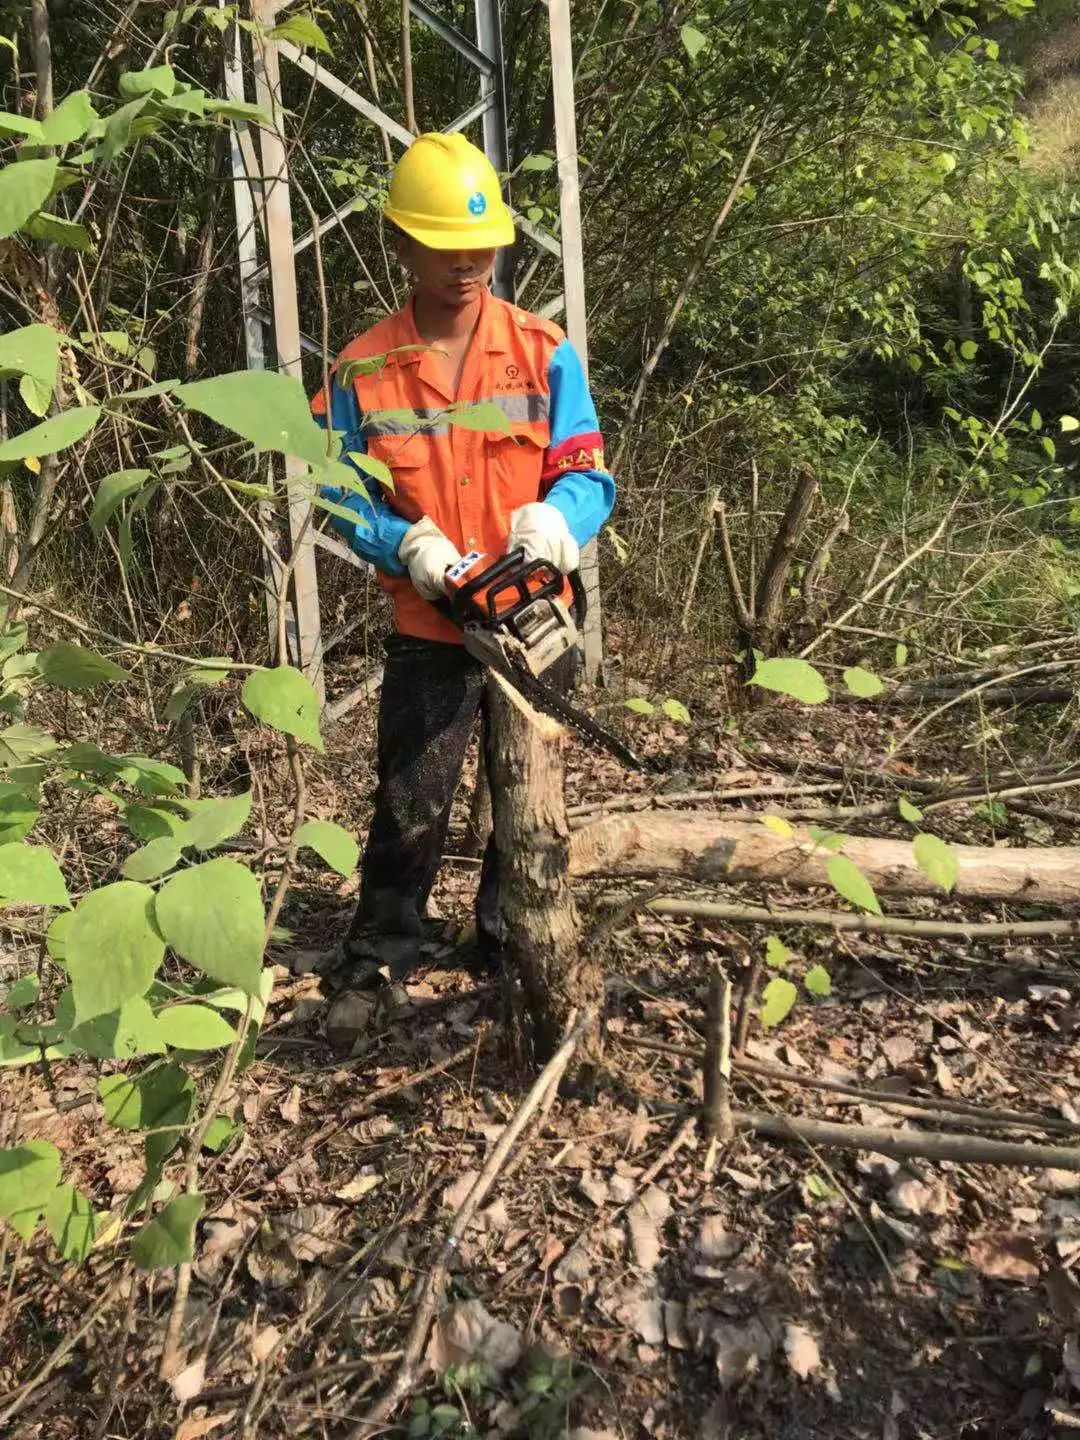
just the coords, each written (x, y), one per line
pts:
(378, 539)
(580, 487)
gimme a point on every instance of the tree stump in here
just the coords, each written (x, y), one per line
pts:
(537, 914)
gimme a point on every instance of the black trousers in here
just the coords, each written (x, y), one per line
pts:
(431, 695)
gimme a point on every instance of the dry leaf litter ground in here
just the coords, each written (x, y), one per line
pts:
(621, 1281)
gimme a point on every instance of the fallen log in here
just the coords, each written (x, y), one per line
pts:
(708, 846)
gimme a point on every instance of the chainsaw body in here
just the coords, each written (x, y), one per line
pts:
(511, 610)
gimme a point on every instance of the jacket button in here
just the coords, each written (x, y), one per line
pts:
(465, 480)
(472, 542)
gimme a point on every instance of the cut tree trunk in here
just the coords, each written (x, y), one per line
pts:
(537, 914)
(709, 846)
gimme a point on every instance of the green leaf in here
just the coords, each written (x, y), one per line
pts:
(778, 997)
(22, 743)
(34, 353)
(194, 1027)
(158, 80)
(375, 468)
(24, 188)
(909, 812)
(818, 1188)
(267, 408)
(159, 1098)
(302, 31)
(969, 349)
(640, 707)
(112, 948)
(57, 230)
(238, 110)
(221, 1130)
(342, 512)
(1049, 446)
(863, 683)
(57, 933)
(19, 124)
(676, 710)
(169, 1238)
(818, 981)
(936, 860)
(333, 843)
(70, 120)
(285, 700)
(1068, 423)
(901, 655)
(122, 1034)
(24, 992)
(777, 953)
(28, 1176)
(156, 858)
(693, 41)
(791, 677)
(212, 915)
(484, 416)
(827, 839)
(537, 162)
(151, 822)
(230, 998)
(213, 821)
(849, 881)
(111, 492)
(69, 1217)
(51, 435)
(777, 825)
(73, 668)
(1036, 420)
(30, 875)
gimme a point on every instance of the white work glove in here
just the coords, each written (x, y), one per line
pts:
(542, 532)
(427, 554)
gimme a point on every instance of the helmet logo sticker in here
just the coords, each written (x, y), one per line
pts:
(477, 203)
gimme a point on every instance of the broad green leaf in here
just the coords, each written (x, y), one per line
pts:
(777, 825)
(24, 992)
(693, 41)
(936, 860)
(111, 492)
(863, 683)
(1049, 446)
(909, 812)
(57, 933)
(158, 80)
(24, 188)
(827, 839)
(676, 710)
(212, 915)
(333, 843)
(778, 997)
(1069, 423)
(169, 1238)
(194, 1027)
(285, 700)
(57, 230)
(263, 406)
(302, 31)
(73, 668)
(484, 416)
(849, 881)
(56, 433)
(122, 1034)
(22, 743)
(156, 858)
(213, 821)
(537, 162)
(341, 512)
(375, 468)
(221, 1130)
(901, 655)
(161, 1097)
(231, 998)
(777, 953)
(969, 350)
(69, 1218)
(818, 981)
(112, 947)
(238, 110)
(30, 875)
(70, 120)
(151, 822)
(28, 1176)
(36, 397)
(118, 128)
(640, 707)
(19, 124)
(33, 353)
(19, 1042)
(796, 678)
(818, 1187)
(1035, 421)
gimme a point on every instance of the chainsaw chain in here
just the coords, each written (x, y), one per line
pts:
(591, 731)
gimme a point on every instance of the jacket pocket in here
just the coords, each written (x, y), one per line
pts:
(408, 458)
(517, 463)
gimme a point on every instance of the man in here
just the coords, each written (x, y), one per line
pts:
(541, 488)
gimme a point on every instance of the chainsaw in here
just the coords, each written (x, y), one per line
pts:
(516, 623)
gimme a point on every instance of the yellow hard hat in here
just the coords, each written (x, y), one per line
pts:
(445, 193)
